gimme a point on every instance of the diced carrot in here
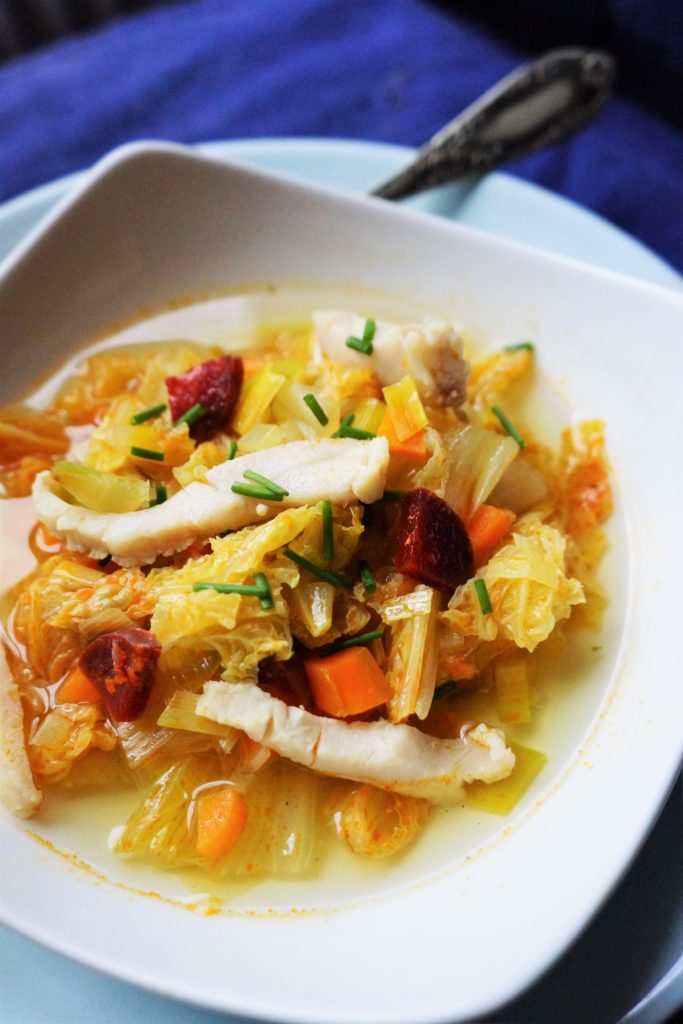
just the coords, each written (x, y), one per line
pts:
(486, 529)
(77, 688)
(413, 448)
(347, 683)
(221, 820)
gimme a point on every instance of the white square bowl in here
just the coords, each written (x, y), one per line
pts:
(156, 223)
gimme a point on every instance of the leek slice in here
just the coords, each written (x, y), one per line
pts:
(100, 491)
(257, 394)
(413, 657)
(405, 407)
(478, 459)
(262, 435)
(181, 713)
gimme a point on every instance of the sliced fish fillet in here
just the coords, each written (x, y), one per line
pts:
(432, 352)
(17, 789)
(398, 758)
(341, 470)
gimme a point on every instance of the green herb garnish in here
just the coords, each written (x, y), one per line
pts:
(148, 414)
(269, 485)
(360, 345)
(345, 423)
(193, 414)
(258, 493)
(366, 577)
(315, 407)
(259, 589)
(508, 425)
(444, 689)
(265, 594)
(161, 496)
(233, 451)
(363, 344)
(328, 531)
(329, 575)
(354, 641)
(357, 435)
(147, 453)
(483, 595)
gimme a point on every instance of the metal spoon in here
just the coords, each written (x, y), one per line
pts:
(539, 104)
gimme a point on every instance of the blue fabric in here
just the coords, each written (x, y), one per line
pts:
(389, 70)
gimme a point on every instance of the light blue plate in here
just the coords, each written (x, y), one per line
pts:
(628, 965)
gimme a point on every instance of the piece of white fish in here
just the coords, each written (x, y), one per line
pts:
(431, 352)
(17, 789)
(340, 470)
(398, 758)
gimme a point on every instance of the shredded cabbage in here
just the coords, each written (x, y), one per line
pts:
(527, 585)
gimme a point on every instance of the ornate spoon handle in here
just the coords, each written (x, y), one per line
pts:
(539, 104)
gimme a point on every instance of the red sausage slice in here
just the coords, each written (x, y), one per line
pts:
(215, 385)
(122, 665)
(433, 545)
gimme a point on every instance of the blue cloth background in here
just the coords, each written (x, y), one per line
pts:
(390, 70)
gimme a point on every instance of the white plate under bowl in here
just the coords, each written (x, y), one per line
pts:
(156, 222)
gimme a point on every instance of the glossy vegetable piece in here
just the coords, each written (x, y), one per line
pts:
(486, 529)
(221, 820)
(347, 683)
(215, 385)
(433, 545)
(121, 666)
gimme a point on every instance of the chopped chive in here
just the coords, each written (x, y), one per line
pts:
(161, 496)
(243, 589)
(260, 589)
(509, 426)
(148, 414)
(366, 578)
(354, 641)
(275, 489)
(329, 575)
(520, 346)
(328, 532)
(194, 413)
(147, 453)
(360, 345)
(444, 689)
(104, 562)
(233, 451)
(265, 594)
(315, 407)
(369, 330)
(345, 423)
(357, 435)
(259, 493)
(483, 595)
(392, 496)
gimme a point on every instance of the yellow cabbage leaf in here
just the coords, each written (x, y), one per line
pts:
(527, 586)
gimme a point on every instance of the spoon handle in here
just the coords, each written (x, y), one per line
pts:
(537, 105)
